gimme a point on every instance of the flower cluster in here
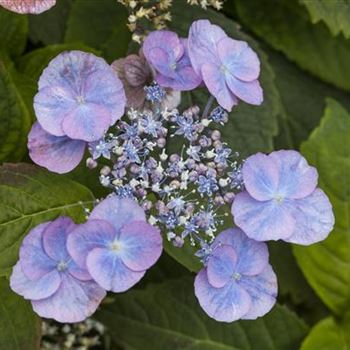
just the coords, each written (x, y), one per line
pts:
(65, 269)
(185, 191)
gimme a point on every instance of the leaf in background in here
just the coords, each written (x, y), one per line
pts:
(303, 99)
(13, 32)
(251, 128)
(30, 196)
(101, 25)
(328, 334)
(335, 14)
(326, 265)
(15, 117)
(287, 28)
(49, 27)
(20, 328)
(168, 316)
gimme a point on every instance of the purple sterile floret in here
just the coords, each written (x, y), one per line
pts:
(238, 281)
(27, 6)
(281, 200)
(228, 67)
(80, 96)
(59, 154)
(168, 54)
(47, 276)
(116, 244)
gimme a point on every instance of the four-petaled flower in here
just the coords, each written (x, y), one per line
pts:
(238, 281)
(281, 200)
(116, 245)
(229, 68)
(47, 276)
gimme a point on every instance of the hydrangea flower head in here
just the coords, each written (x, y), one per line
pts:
(168, 54)
(80, 96)
(238, 282)
(47, 276)
(281, 200)
(116, 244)
(27, 6)
(228, 67)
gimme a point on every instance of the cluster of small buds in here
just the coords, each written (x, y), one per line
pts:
(182, 192)
(216, 4)
(79, 336)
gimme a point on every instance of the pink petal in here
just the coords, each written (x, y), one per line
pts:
(27, 6)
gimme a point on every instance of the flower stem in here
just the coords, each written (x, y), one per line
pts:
(208, 106)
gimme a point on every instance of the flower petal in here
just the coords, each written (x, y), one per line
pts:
(253, 256)
(297, 179)
(34, 290)
(221, 266)
(33, 258)
(262, 221)
(262, 290)
(225, 304)
(214, 79)
(260, 176)
(118, 211)
(314, 219)
(141, 245)
(51, 105)
(202, 44)
(109, 271)
(27, 6)
(85, 237)
(248, 91)
(88, 122)
(241, 61)
(59, 154)
(74, 301)
(55, 238)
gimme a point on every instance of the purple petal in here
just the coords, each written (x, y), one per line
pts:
(59, 154)
(51, 105)
(202, 44)
(27, 6)
(296, 178)
(241, 61)
(88, 122)
(263, 292)
(109, 271)
(78, 272)
(262, 221)
(261, 176)
(214, 79)
(85, 237)
(248, 91)
(34, 260)
(221, 266)
(118, 211)
(253, 256)
(34, 290)
(226, 304)
(141, 245)
(74, 301)
(314, 219)
(55, 238)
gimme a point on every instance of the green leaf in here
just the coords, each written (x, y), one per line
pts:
(287, 28)
(326, 265)
(49, 27)
(168, 316)
(30, 196)
(13, 32)
(251, 128)
(33, 63)
(99, 24)
(303, 100)
(329, 334)
(335, 14)
(20, 328)
(15, 117)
